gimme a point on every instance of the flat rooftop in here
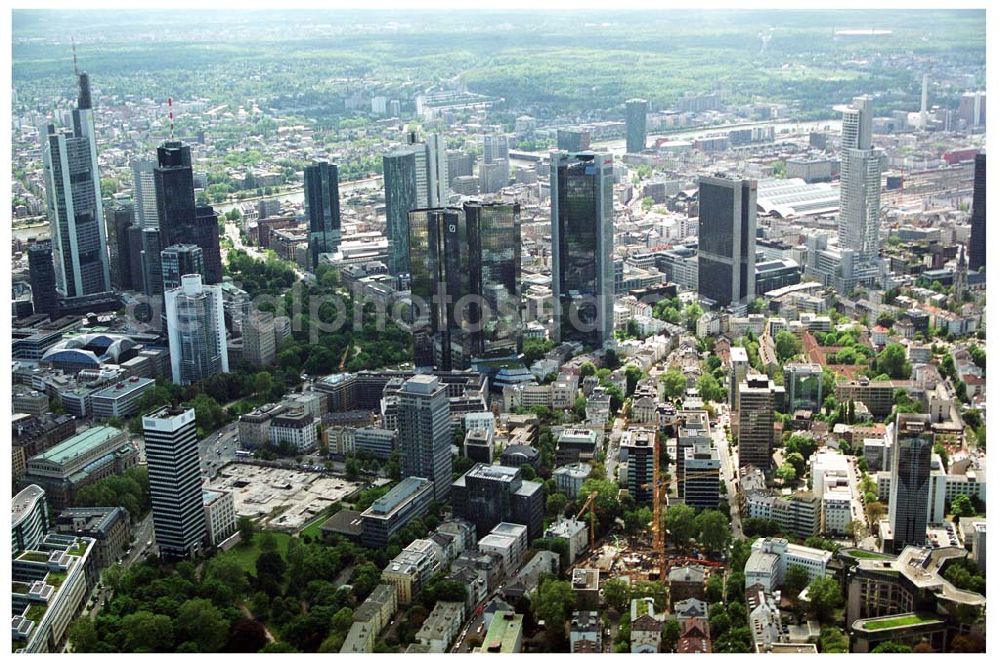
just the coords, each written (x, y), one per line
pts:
(79, 444)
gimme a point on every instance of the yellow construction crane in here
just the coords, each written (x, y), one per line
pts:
(593, 520)
(343, 357)
(659, 547)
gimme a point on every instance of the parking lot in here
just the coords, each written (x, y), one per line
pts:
(281, 498)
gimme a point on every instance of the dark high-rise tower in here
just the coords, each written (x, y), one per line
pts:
(174, 184)
(582, 241)
(635, 125)
(178, 260)
(75, 209)
(119, 221)
(910, 479)
(322, 203)
(205, 233)
(977, 239)
(727, 239)
(465, 284)
(180, 219)
(42, 273)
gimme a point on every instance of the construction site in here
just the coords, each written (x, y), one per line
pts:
(281, 498)
(646, 555)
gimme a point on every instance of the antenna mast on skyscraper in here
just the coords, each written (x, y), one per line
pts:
(76, 67)
(170, 107)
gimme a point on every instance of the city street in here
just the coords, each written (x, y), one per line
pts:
(218, 449)
(730, 469)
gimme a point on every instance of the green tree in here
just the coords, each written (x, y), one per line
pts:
(681, 524)
(555, 504)
(891, 647)
(555, 602)
(143, 631)
(796, 579)
(616, 594)
(83, 635)
(892, 361)
(714, 530)
(670, 635)
(202, 623)
(824, 597)
(786, 473)
(246, 527)
(832, 640)
(674, 384)
(962, 506)
(787, 345)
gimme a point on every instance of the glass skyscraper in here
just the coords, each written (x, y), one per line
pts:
(322, 207)
(196, 330)
(977, 238)
(727, 239)
(910, 479)
(465, 267)
(860, 194)
(178, 260)
(425, 432)
(180, 219)
(635, 125)
(75, 209)
(582, 242)
(415, 177)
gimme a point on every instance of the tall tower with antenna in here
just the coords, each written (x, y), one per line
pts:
(73, 195)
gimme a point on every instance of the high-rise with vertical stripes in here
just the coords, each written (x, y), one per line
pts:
(171, 441)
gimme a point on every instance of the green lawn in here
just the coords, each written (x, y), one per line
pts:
(895, 622)
(866, 554)
(247, 555)
(312, 529)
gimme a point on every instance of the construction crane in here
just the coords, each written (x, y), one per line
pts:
(659, 532)
(593, 519)
(343, 357)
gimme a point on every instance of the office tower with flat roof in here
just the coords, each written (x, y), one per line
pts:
(739, 364)
(582, 207)
(42, 274)
(178, 260)
(135, 265)
(144, 193)
(196, 330)
(259, 345)
(399, 173)
(803, 387)
(205, 234)
(171, 441)
(173, 179)
(425, 435)
(727, 240)
(487, 495)
(119, 222)
(860, 192)
(635, 125)
(496, 147)
(638, 447)
(573, 140)
(322, 207)
(74, 205)
(977, 238)
(415, 177)
(759, 397)
(700, 486)
(909, 480)
(180, 218)
(152, 268)
(465, 284)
